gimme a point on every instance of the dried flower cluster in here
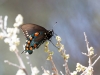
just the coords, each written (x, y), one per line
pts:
(10, 37)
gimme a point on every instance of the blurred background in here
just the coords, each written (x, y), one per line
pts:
(73, 17)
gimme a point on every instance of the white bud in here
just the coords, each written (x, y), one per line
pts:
(35, 71)
(1, 35)
(7, 40)
(19, 19)
(58, 38)
(10, 30)
(13, 48)
(20, 72)
(16, 30)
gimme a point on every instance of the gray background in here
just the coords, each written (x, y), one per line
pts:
(73, 16)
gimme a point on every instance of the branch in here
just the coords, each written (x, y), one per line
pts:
(87, 44)
(20, 61)
(54, 67)
(91, 65)
(10, 63)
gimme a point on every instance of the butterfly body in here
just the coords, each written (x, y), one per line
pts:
(35, 36)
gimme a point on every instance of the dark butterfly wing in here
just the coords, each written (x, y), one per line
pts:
(35, 35)
(29, 29)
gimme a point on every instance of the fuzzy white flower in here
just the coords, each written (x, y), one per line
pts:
(9, 34)
(16, 25)
(74, 73)
(47, 43)
(16, 41)
(20, 72)
(1, 35)
(90, 70)
(16, 30)
(5, 61)
(46, 73)
(7, 40)
(10, 30)
(35, 71)
(61, 48)
(27, 57)
(13, 48)
(14, 37)
(58, 38)
(19, 19)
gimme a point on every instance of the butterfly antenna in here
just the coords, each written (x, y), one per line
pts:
(54, 25)
(53, 44)
(22, 51)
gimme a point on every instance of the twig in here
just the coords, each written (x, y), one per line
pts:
(66, 65)
(19, 59)
(10, 63)
(54, 67)
(63, 53)
(93, 56)
(67, 69)
(91, 65)
(87, 44)
(50, 58)
(21, 62)
(96, 61)
(44, 70)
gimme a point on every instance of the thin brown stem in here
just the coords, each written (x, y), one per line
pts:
(67, 69)
(54, 67)
(87, 44)
(10, 63)
(21, 61)
(44, 70)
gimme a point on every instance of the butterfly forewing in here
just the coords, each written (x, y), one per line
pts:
(29, 29)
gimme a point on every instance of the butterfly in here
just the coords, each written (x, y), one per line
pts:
(35, 36)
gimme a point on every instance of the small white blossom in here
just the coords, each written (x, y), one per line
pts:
(35, 71)
(61, 48)
(46, 73)
(74, 73)
(58, 38)
(14, 37)
(16, 30)
(9, 34)
(19, 19)
(7, 40)
(20, 72)
(1, 35)
(16, 25)
(13, 48)
(16, 41)
(90, 70)
(5, 61)
(10, 30)
(47, 43)
(27, 57)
